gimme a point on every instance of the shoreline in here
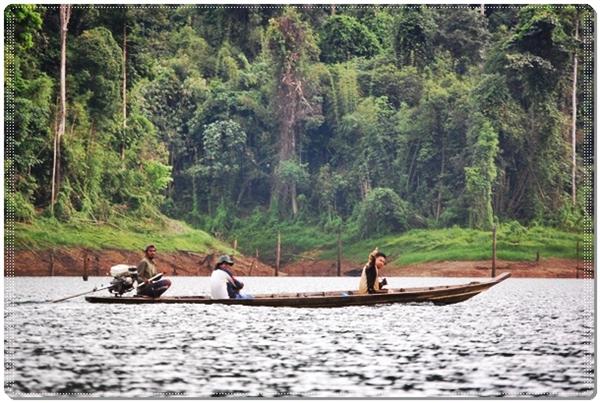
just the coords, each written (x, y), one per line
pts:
(81, 261)
(544, 268)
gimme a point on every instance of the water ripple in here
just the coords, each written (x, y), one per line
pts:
(523, 337)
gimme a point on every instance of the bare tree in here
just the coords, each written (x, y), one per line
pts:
(292, 103)
(574, 117)
(65, 15)
(124, 90)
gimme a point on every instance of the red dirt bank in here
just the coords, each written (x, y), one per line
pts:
(550, 268)
(70, 262)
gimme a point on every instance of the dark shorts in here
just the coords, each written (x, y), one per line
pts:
(156, 289)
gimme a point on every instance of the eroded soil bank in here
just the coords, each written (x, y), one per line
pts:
(548, 268)
(77, 261)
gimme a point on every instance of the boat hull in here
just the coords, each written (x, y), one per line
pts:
(440, 295)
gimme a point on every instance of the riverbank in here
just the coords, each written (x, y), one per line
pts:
(544, 268)
(47, 247)
(78, 261)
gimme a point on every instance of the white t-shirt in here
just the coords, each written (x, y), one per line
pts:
(218, 284)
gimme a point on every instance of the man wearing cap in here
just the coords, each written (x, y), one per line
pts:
(223, 285)
(146, 269)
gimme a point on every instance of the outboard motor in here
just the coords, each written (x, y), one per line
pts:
(124, 276)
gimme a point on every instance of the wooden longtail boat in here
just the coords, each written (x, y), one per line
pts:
(439, 295)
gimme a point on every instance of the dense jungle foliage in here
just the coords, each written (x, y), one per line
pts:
(366, 120)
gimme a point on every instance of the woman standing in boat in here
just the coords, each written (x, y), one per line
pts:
(146, 270)
(369, 279)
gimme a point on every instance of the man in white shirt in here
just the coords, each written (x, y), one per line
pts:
(223, 285)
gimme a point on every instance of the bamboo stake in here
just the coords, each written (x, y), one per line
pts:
(494, 251)
(85, 266)
(339, 255)
(52, 263)
(577, 266)
(278, 254)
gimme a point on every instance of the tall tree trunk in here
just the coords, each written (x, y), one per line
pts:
(290, 109)
(65, 15)
(291, 103)
(244, 188)
(170, 186)
(209, 205)
(124, 91)
(410, 169)
(293, 197)
(54, 163)
(498, 199)
(574, 118)
(364, 182)
(365, 188)
(520, 186)
(195, 208)
(438, 209)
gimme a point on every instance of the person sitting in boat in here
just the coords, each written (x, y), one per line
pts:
(146, 270)
(369, 279)
(223, 284)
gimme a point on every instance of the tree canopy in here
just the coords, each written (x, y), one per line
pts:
(383, 118)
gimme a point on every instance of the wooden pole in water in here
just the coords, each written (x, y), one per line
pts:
(494, 251)
(52, 262)
(85, 265)
(278, 254)
(577, 267)
(339, 255)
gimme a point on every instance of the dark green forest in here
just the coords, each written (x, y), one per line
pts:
(366, 120)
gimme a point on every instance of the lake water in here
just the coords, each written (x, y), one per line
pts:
(523, 337)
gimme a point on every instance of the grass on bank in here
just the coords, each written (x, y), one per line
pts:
(168, 236)
(298, 241)
(301, 241)
(512, 243)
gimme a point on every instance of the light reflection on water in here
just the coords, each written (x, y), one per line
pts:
(522, 337)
